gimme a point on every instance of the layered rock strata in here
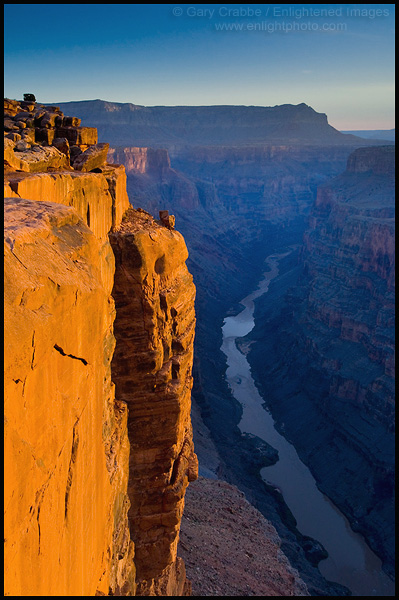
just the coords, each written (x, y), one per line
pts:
(41, 138)
(350, 249)
(67, 435)
(143, 160)
(154, 328)
(185, 126)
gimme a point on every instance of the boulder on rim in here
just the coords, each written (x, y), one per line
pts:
(92, 158)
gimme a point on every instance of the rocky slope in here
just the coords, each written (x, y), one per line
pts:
(71, 470)
(334, 378)
(230, 549)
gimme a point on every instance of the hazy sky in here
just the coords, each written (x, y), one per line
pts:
(340, 63)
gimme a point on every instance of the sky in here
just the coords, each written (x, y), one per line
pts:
(337, 58)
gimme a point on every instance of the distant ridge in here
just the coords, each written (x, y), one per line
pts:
(373, 134)
(126, 124)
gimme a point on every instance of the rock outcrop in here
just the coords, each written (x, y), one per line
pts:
(40, 138)
(151, 367)
(71, 471)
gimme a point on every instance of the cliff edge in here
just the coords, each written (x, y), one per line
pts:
(84, 444)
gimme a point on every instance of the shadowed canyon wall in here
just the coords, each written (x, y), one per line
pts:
(333, 382)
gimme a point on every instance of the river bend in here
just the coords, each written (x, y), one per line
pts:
(350, 561)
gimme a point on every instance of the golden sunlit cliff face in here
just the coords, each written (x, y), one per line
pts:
(65, 495)
(96, 420)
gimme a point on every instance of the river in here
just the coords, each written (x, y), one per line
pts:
(350, 561)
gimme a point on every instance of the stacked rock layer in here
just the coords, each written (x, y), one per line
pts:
(67, 433)
(154, 328)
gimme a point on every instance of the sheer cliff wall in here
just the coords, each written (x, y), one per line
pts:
(66, 445)
(78, 406)
(154, 328)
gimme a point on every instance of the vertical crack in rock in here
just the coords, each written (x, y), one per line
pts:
(38, 524)
(72, 461)
(33, 354)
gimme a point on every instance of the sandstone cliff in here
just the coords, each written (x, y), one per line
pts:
(151, 367)
(72, 467)
(66, 444)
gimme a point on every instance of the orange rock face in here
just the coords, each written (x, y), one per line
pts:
(154, 329)
(69, 462)
(99, 198)
(64, 490)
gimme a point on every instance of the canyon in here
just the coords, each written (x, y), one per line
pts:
(236, 203)
(99, 330)
(335, 374)
(242, 183)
